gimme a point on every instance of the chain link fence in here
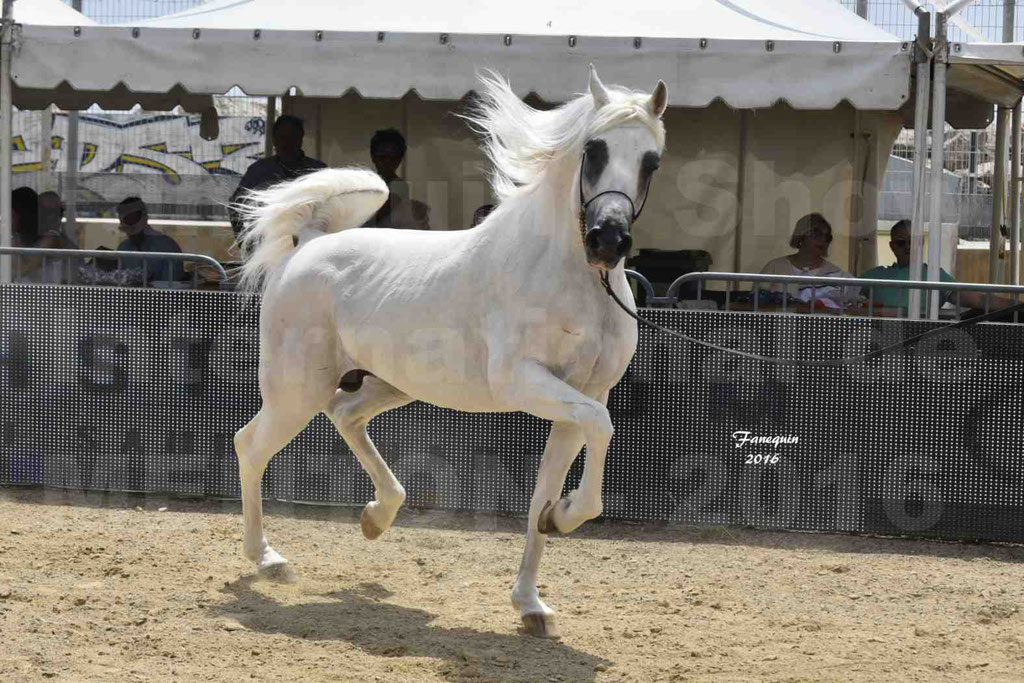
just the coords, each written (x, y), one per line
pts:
(969, 154)
(982, 21)
(120, 11)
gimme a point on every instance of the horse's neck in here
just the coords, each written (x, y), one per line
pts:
(540, 236)
(545, 220)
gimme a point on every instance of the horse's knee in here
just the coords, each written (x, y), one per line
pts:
(346, 415)
(264, 435)
(245, 450)
(595, 421)
(243, 440)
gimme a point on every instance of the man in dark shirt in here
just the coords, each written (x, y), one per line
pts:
(289, 162)
(387, 150)
(133, 221)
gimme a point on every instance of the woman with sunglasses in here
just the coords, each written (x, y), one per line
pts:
(811, 238)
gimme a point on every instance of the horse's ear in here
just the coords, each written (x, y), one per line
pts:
(659, 100)
(597, 89)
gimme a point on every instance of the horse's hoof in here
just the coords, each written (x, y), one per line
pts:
(541, 626)
(280, 572)
(545, 524)
(370, 529)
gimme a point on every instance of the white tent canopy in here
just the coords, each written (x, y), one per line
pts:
(739, 20)
(749, 53)
(49, 12)
(826, 84)
(993, 72)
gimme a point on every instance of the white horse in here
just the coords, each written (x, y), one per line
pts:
(510, 315)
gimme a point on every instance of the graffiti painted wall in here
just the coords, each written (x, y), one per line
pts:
(157, 156)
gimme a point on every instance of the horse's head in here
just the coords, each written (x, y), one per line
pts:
(618, 160)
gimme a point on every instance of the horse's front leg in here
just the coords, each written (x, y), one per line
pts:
(533, 389)
(563, 446)
(583, 503)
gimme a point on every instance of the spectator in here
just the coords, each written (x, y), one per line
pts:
(51, 219)
(387, 149)
(899, 242)
(811, 238)
(25, 223)
(25, 217)
(289, 162)
(134, 222)
(481, 213)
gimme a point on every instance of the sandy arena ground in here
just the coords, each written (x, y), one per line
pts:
(111, 588)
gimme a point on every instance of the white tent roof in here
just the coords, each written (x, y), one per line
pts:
(51, 12)
(990, 71)
(734, 20)
(1001, 54)
(750, 53)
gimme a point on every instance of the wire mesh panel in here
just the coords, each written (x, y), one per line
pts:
(143, 390)
(969, 154)
(981, 21)
(120, 11)
(915, 443)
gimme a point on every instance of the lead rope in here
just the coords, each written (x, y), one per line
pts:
(833, 362)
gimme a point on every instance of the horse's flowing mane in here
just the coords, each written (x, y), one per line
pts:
(521, 142)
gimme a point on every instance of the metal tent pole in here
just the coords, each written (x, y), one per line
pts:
(1009, 19)
(741, 183)
(922, 56)
(956, 6)
(1009, 24)
(995, 238)
(72, 159)
(1015, 190)
(938, 161)
(6, 112)
(268, 150)
(45, 148)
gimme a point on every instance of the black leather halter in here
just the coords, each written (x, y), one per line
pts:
(584, 204)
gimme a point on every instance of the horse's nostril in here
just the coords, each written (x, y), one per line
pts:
(593, 240)
(624, 246)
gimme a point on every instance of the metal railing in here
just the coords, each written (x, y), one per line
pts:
(65, 257)
(755, 299)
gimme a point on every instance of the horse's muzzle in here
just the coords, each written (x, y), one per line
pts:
(606, 243)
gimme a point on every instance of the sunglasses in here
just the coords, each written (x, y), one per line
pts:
(900, 243)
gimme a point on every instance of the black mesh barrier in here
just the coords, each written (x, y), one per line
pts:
(142, 390)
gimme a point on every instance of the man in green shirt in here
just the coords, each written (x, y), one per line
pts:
(899, 242)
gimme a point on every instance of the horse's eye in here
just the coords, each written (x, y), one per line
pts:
(650, 163)
(597, 159)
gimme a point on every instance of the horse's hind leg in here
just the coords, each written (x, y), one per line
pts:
(351, 412)
(255, 444)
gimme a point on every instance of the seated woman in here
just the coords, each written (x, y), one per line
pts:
(25, 233)
(811, 238)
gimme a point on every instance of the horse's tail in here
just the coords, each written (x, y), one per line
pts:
(330, 200)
